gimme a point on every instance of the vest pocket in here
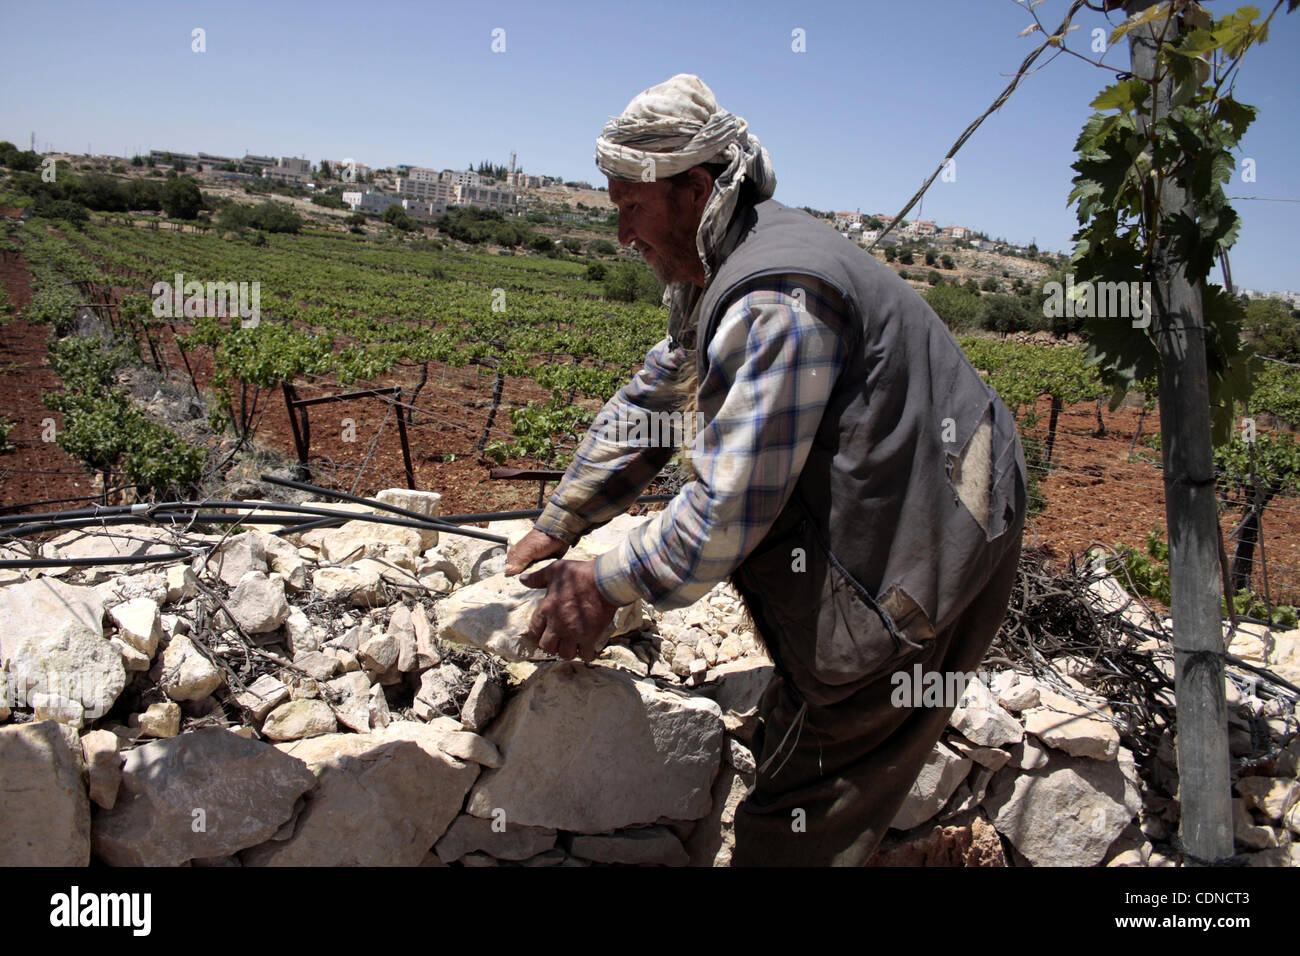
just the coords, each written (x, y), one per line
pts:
(834, 637)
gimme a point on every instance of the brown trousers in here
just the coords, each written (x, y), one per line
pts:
(836, 776)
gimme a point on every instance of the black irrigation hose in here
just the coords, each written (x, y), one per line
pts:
(94, 562)
(132, 514)
(348, 496)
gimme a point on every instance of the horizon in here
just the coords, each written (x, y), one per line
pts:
(313, 82)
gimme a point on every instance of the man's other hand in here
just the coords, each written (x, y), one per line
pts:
(573, 615)
(533, 547)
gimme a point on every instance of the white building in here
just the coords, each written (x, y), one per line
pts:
(359, 201)
(487, 197)
(460, 177)
(424, 211)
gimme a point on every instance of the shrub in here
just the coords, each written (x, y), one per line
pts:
(958, 307)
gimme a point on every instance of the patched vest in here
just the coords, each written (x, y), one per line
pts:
(915, 474)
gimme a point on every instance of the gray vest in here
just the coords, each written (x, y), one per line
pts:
(915, 477)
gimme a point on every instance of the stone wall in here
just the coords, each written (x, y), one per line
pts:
(360, 695)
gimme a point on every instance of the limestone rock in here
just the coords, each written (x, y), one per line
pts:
(161, 720)
(353, 707)
(258, 603)
(318, 665)
(203, 794)
(402, 630)
(437, 691)
(127, 539)
(299, 633)
(181, 583)
(52, 644)
(132, 659)
(379, 653)
(642, 846)
(138, 624)
(1073, 726)
(1015, 691)
(713, 839)
(1272, 796)
(980, 719)
(103, 766)
(44, 810)
(1069, 812)
(383, 799)
(494, 614)
(740, 687)
(184, 673)
(298, 719)
(426, 651)
(944, 769)
(426, 503)
(976, 845)
(263, 695)
(283, 558)
(237, 556)
(356, 540)
(469, 746)
(1245, 831)
(357, 587)
(589, 750)
(482, 704)
(498, 838)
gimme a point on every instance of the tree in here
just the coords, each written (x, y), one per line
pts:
(396, 216)
(1274, 328)
(947, 261)
(136, 160)
(324, 172)
(181, 198)
(1151, 167)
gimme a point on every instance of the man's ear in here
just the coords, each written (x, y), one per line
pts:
(700, 183)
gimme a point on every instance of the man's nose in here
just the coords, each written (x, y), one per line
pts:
(625, 233)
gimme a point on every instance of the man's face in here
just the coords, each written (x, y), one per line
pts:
(661, 222)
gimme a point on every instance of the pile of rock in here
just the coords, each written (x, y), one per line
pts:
(361, 695)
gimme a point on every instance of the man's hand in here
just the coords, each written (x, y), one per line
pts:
(574, 614)
(533, 547)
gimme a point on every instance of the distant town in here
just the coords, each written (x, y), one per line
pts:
(425, 194)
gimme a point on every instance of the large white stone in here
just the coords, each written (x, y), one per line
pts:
(184, 673)
(359, 587)
(202, 794)
(258, 602)
(138, 624)
(1077, 726)
(44, 810)
(980, 719)
(497, 838)
(237, 556)
(590, 749)
(52, 645)
(383, 799)
(299, 718)
(493, 614)
(943, 771)
(1069, 812)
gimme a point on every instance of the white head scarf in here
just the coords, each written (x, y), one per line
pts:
(667, 130)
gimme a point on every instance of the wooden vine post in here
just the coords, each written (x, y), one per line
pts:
(1178, 324)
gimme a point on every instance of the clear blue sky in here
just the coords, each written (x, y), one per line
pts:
(855, 122)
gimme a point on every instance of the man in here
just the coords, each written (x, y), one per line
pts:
(860, 484)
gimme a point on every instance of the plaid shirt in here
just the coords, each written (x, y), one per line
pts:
(773, 361)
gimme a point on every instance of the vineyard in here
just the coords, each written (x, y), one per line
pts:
(504, 358)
